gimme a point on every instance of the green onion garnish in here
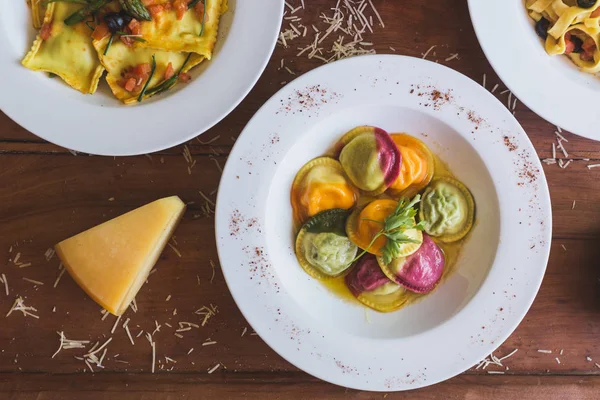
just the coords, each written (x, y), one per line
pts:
(141, 96)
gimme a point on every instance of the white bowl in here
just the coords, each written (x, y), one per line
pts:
(551, 86)
(100, 124)
(471, 312)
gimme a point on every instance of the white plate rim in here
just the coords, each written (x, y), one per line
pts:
(551, 86)
(227, 246)
(103, 126)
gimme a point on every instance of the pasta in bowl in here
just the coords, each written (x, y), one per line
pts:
(569, 27)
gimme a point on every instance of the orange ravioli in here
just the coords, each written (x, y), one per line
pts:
(320, 185)
(362, 228)
(417, 166)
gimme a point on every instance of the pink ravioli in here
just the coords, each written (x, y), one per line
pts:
(370, 158)
(366, 276)
(421, 271)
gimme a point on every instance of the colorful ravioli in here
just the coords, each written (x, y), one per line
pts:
(67, 52)
(320, 185)
(119, 57)
(166, 32)
(371, 287)
(447, 210)
(366, 222)
(322, 248)
(417, 166)
(370, 158)
(421, 271)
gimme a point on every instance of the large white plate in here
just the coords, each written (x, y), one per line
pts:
(497, 276)
(100, 124)
(552, 86)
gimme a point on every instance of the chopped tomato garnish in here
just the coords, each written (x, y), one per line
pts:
(135, 77)
(588, 47)
(155, 9)
(596, 13)
(169, 72)
(185, 78)
(127, 40)
(569, 45)
(46, 31)
(135, 28)
(199, 7)
(130, 84)
(167, 6)
(100, 32)
(181, 7)
(142, 69)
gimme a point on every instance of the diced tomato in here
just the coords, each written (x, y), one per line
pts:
(142, 69)
(46, 31)
(130, 84)
(185, 78)
(135, 28)
(127, 40)
(169, 72)
(199, 7)
(155, 9)
(135, 77)
(100, 32)
(181, 7)
(588, 47)
(596, 13)
(167, 6)
(570, 46)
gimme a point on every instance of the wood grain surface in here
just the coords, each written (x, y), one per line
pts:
(48, 194)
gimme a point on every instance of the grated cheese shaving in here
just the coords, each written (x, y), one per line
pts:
(209, 343)
(33, 281)
(428, 51)
(213, 369)
(175, 250)
(244, 331)
(5, 281)
(545, 351)
(60, 274)
(49, 254)
(190, 351)
(66, 344)
(494, 88)
(115, 325)
(207, 313)
(19, 305)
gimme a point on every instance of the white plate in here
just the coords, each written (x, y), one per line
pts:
(468, 315)
(100, 124)
(552, 86)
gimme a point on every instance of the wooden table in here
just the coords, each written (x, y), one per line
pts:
(48, 194)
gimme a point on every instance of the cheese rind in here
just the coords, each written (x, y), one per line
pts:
(111, 261)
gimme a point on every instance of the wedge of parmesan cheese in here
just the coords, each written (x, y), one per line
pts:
(111, 261)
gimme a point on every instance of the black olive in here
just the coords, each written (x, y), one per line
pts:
(578, 43)
(116, 21)
(541, 28)
(586, 3)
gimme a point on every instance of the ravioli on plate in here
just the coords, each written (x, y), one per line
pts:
(146, 46)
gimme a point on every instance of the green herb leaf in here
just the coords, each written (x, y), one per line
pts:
(141, 96)
(109, 44)
(91, 8)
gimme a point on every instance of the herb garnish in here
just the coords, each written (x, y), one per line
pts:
(394, 227)
(109, 43)
(141, 96)
(168, 83)
(192, 4)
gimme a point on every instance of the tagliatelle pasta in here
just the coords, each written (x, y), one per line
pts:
(569, 27)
